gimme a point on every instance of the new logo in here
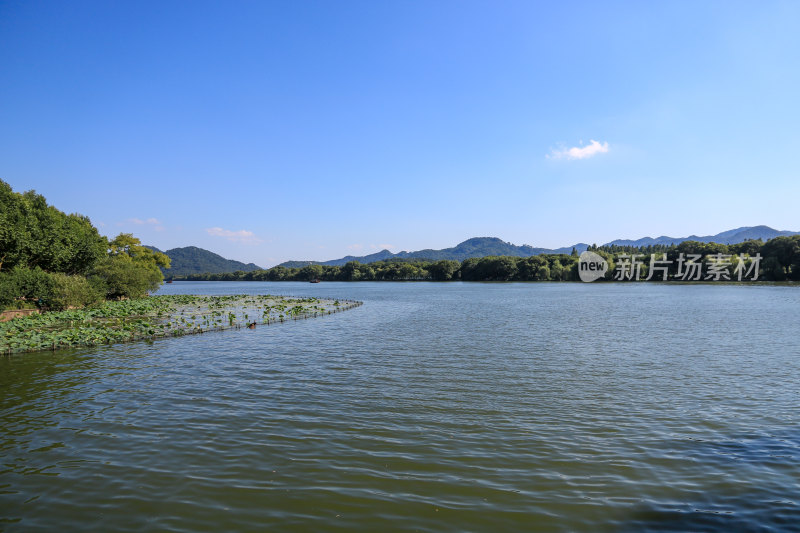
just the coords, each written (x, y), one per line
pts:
(591, 266)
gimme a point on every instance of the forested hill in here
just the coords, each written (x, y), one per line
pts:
(492, 246)
(475, 247)
(194, 260)
(733, 236)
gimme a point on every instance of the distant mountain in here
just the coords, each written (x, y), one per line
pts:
(194, 260)
(486, 246)
(298, 264)
(475, 247)
(733, 236)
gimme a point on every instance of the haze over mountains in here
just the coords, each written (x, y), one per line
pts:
(474, 247)
(194, 260)
(486, 246)
(733, 236)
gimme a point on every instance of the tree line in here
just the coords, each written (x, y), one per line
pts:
(56, 260)
(779, 261)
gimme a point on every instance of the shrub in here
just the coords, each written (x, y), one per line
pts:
(72, 291)
(34, 285)
(127, 278)
(8, 291)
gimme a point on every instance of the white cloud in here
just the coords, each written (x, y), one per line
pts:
(355, 246)
(140, 222)
(243, 236)
(147, 222)
(381, 246)
(580, 152)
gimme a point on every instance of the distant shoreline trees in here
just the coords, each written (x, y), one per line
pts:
(780, 261)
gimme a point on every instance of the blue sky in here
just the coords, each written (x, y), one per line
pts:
(267, 131)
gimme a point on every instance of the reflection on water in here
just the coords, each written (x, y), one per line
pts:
(432, 407)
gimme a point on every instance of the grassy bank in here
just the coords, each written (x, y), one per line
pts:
(156, 317)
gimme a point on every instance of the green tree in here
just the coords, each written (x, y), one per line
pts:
(773, 270)
(443, 270)
(130, 270)
(543, 273)
(786, 252)
(307, 273)
(751, 247)
(501, 268)
(34, 234)
(351, 271)
(528, 267)
(556, 270)
(73, 292)
(32, 284)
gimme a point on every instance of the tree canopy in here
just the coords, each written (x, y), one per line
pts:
(130, 270)
(34, 234)
(58, 260)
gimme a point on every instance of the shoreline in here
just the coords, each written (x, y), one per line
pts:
(786, 283)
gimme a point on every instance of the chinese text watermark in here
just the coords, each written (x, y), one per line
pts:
(687, 267)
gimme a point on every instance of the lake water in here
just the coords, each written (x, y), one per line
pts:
(433, 407)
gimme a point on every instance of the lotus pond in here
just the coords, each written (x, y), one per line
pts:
(156, 317)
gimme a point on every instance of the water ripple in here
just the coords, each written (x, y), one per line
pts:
(433, 407)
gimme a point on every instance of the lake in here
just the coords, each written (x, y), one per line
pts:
(432, 407)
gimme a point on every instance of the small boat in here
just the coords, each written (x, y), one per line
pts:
(314, 281)
(169, 281)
